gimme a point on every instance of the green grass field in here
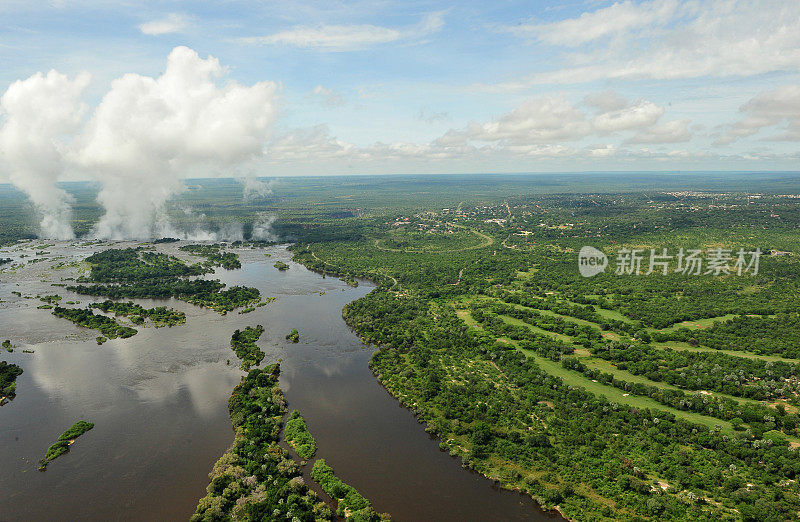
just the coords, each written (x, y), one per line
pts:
(679, 345)
(554, 335)
(613, 394)
(625, 375)
(696, 324)
(617, 395)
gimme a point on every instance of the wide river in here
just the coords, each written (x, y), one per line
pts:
(159, 403)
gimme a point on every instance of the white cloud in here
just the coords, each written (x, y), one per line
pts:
(554, 119)
(602, 151)
(315, 150)
(432, 116)
(349, 37)
(663, 39)
(172, 23)
(606, 101)
(538, 120)
(614, 20)
(675, 131)
(639, 115)
(309, 144)
(546, 127)
(772, 108)
(328, 97)
(317, 144)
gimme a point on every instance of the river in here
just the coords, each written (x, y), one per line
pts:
(159, 403)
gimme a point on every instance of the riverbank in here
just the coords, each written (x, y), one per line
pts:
(429, 428)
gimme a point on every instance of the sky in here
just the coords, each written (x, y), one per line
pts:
(273, 88)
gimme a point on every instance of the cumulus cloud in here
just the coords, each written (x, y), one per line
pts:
(309, 143)
(675, 131)
(349, 37)
(639, 115)
(602, 151)
(666, 39)
(172, 23)
(554, 119)
(316, 149)
(38, 113)
(540, 127)
(777, 107)
(537, 120)
(607, 100)
(147, 133)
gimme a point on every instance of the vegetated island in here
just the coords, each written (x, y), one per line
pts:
(280, 265)
(109, 327)
(49, 301)
(8, 380)
(159, 316)
(7, 346)
(64, 442)
(215, 255)
(252, 308)
(256, 479)
(352, 281)
(133, 273)
(243, 343)
(298, 436)
(293, 336)
(350, 503)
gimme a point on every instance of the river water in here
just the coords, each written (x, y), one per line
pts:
(159, 403)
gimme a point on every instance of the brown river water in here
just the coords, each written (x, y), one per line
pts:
(159, 403)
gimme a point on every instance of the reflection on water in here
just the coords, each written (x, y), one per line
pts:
(159, 404)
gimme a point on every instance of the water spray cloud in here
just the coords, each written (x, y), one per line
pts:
(147, 133)
(254, 188)
(262, 228)
(37, 115)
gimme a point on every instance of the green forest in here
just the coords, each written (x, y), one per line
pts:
(614, 397)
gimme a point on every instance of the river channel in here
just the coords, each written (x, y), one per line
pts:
(159, 402)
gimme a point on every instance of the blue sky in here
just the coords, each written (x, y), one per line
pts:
(429, 86)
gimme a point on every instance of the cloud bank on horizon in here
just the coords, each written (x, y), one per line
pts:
(412, 87)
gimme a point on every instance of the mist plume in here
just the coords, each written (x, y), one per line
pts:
(38, 113)
(147, 134)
